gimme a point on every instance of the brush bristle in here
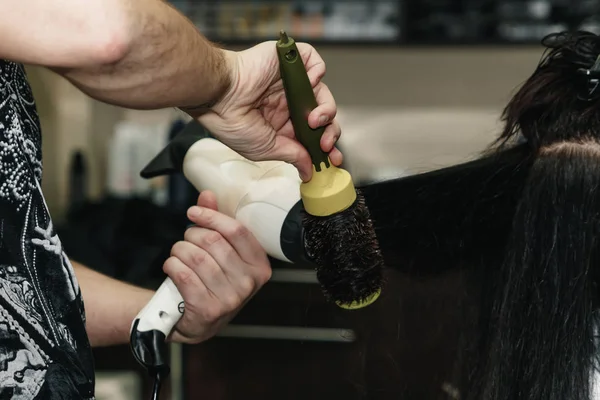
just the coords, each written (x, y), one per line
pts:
(345, 249)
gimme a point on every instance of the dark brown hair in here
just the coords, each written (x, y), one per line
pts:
(525, 220)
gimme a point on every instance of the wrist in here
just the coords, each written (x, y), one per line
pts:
(225, 72)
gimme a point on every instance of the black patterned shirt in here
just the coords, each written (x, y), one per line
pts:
(44, 349)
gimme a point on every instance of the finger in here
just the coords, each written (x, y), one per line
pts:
(336, 157)
(287, 130)
(233, 270)
(326, 110)
(225, 236)
(291, 151)
(330, 136)
(203, 265)
(188, 283)
(207, 199)
(313, 62)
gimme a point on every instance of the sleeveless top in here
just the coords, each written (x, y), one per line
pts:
(44, 348)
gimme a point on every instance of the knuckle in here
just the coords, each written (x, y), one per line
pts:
(211, 237)
(198, 257)
(247, 285)
(231, 302)
(184, 277)
(240, 231)
(212, 313)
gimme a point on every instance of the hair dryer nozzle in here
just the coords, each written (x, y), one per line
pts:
(170, 159)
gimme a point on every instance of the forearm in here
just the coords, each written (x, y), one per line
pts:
(110, 305)
(167, 63)
(141, 54)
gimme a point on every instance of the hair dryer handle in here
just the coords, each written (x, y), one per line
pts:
(263, 196)
(154, 324)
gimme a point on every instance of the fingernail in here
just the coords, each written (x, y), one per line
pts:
(323, 120)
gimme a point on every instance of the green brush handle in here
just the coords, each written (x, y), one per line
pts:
(300, 98)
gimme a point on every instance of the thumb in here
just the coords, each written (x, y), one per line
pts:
(291, 151)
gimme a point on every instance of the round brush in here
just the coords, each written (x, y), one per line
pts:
(339, 236)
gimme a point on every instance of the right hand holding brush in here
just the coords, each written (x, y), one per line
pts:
(253, 117)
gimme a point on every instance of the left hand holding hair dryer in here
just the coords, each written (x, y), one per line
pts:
(263, 196)
(216, 268)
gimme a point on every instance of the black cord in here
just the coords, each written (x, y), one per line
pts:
(157, 385)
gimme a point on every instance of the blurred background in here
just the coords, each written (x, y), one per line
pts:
(420, 84)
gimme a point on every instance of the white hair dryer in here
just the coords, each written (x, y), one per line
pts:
(263, 196)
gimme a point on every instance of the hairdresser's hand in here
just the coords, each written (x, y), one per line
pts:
(217, 268)
(252, 117)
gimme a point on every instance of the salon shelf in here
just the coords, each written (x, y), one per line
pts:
(397, 23)
(344, 22)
